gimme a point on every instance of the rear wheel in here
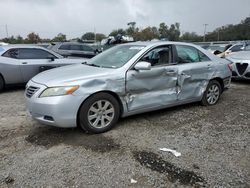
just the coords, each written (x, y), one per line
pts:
(212, 93)
(1, 83)
(99, 113)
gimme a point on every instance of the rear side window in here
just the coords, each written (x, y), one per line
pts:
(64, 47)
(32, 53)
(189, 54)
(12, 53)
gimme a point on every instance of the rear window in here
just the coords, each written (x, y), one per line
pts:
(12, 53)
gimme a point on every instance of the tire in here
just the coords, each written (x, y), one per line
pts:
(212, 94)
(99, 113)
(1, 83)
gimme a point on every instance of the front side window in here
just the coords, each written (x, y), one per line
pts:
(116, 57)
(158, 56)
(32, 53)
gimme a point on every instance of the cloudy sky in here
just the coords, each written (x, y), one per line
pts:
(75, 17)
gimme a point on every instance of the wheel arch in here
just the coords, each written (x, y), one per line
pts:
(103, 91)
(1, 75)
(220, 80)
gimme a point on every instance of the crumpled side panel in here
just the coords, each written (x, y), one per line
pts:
(148, 89)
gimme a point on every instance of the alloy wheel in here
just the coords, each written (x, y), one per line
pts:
(213, 94)
(101, 114)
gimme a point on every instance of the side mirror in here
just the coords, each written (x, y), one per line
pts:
(143, 65)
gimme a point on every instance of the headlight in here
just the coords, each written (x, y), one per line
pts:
(58, 91)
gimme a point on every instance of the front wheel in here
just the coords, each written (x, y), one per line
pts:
(212, 93)
(99, 113)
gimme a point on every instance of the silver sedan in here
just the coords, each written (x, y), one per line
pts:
(19, 63)
(125, 80)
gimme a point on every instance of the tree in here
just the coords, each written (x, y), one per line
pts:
(117, 31)
(59, 38)
(146, 34)
(131, 30)
(174, 32)
(231, 32)
(191, 37)
(88, 36)
(33, 38)
(100, 36)
(163, 31)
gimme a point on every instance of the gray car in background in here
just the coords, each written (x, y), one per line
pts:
(74, 49)
(19, 63)
(125, 80)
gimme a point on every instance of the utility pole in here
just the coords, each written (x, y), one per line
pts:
(6, 29)
(95, 34)
(205, 31)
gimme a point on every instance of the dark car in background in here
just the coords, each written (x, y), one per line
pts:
(74, 49)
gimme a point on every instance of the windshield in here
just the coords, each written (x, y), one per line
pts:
(116, 57)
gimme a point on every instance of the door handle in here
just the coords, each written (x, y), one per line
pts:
(24, 63)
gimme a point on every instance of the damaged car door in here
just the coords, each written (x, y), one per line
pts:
(152, 81)
(195, 70)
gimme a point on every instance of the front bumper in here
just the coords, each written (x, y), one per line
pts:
(241, 70)
(59, 111)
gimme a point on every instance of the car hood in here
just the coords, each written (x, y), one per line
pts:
(71, 60)
(244, 55)
(71, 74)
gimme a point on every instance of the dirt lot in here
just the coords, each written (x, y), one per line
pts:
(214, 143)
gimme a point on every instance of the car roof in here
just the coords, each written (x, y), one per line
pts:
(10, 46)
(156, 43)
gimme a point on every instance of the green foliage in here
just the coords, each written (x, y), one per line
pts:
(191, 37)
(239, 31)
(148, 33)
(32, 38)
(117, 31)
(59, 38)
(88, 36)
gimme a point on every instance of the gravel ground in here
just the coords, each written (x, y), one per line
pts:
(214, 143)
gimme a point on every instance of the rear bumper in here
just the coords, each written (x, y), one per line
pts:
(241, 70)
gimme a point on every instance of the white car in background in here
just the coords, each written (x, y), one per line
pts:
(19, 63)
(241, 64)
